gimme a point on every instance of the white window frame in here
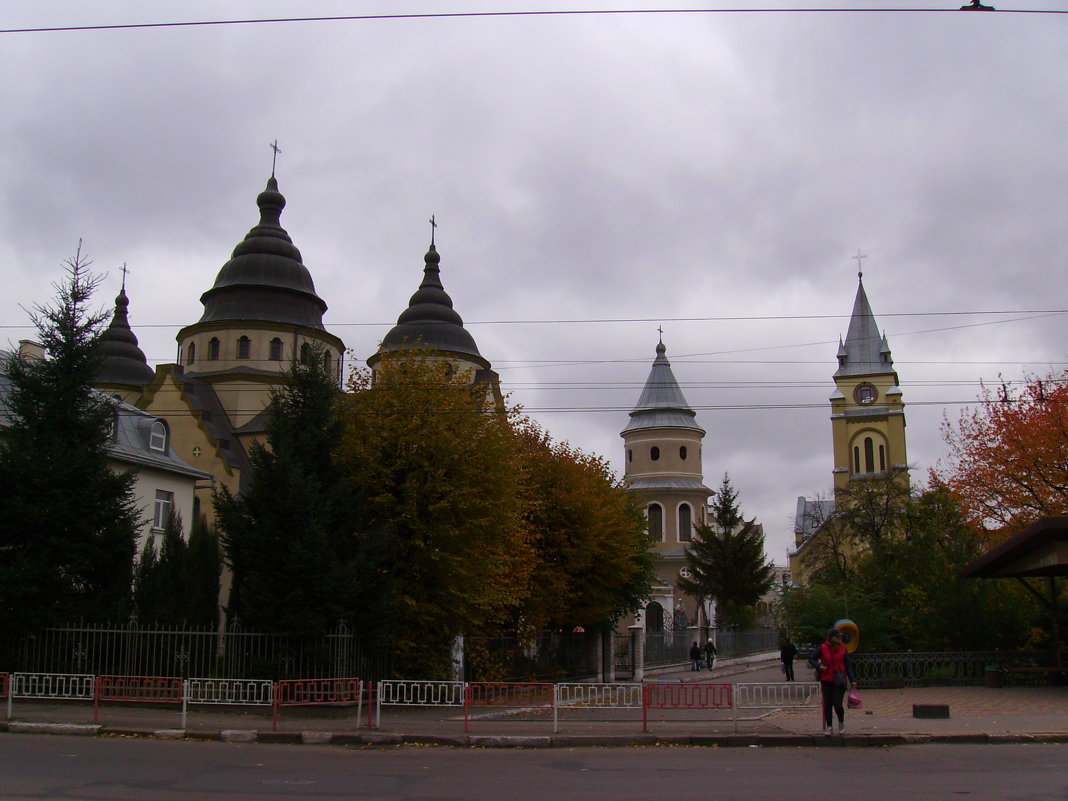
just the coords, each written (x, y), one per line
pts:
(157, 438)
(161, 512)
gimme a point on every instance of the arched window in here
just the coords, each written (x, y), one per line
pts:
(276, 350)
(326, 361)
(882, 458)
(213, 349)
(682, 452)
(630, 455)
(191, 353)
(856, 459)
(305, 353)
(656, 521)
(869, 455)
(244, 347)
(654, 617)
(654, 453)
(157, 439)
(685, 522)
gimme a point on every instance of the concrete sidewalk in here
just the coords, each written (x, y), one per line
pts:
(976, 714)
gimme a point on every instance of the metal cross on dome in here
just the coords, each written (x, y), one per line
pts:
(274, 158)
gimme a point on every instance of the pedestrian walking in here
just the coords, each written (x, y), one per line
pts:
(710, 652)
(787, 652)
(695, 656)
(836, 677)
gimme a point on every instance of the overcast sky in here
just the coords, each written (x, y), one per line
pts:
(593, 177)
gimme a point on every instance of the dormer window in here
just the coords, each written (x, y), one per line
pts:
(157, 439)
(244, 347)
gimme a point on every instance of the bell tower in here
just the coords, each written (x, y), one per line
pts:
(663, 472)
(867, 410)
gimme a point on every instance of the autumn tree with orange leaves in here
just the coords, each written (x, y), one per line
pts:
(1008, 458)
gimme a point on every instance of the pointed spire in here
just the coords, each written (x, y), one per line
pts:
(865, 350)
(123, 361)
(662, 404)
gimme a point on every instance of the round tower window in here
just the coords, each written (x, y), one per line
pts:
(654, 453)
(682, 452)
(866, 394)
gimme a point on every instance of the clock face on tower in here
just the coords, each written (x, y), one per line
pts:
(865, 394)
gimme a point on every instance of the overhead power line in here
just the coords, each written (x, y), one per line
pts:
(728, 318)
(487, 14)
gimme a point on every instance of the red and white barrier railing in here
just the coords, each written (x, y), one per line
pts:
(50, 687)
(318, 692)
(139, 690)
(587, 696)
(775, 695)
(679, 695)
(393, 692)
(506, 695)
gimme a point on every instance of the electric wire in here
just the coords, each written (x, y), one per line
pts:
(505, 14)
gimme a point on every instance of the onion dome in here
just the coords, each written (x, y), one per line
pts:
(265, 278)
(123, 362)
(430, 320)
(662, 404)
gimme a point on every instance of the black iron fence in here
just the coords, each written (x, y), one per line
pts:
(919, 669)
(550, 657)
(133, 650)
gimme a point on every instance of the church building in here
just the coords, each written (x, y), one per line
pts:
(867, 431)
(663, 471)
(261, 313)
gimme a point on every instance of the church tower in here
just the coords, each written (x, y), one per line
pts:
(431, 323)
(663, 471)
(867, 411)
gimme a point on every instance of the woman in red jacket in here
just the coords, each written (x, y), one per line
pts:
(836, 677)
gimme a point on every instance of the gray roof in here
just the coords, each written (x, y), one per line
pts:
(668, 483)
(662, 404)
(130, 442)
(124, 362)
(811, 514)
(265, 279)
(133, 429)
(865, 351)
(430, 320)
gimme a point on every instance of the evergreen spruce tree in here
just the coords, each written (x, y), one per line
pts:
(288, 537)
(726, 559)
(68, 522)
(178, 585)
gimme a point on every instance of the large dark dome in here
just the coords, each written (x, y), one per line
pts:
(430, 320)
(123, 362)
(265, 278)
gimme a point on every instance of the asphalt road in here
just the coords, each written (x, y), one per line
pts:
(128, 769)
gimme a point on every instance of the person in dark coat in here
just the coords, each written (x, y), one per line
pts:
(710, 653)
(695, 655)
(787, 652)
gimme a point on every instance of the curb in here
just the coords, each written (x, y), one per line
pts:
(381, 739)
